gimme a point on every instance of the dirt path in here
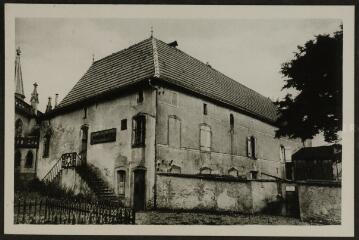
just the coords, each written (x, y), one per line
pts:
(169, 218)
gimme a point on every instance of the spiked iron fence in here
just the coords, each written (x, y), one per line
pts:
(51, 211)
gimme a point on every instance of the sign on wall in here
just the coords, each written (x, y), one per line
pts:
(108, 135)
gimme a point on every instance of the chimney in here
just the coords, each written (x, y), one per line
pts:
(173, 44)
(34, 100)
(49, 107)
(56, 99)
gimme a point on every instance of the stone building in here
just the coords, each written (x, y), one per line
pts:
(149, 114)
(26, 128)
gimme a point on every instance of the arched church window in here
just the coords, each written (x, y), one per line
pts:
(29, 159)
(18, 127)
(17, 158)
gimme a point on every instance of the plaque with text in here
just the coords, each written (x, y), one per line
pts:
(108, 135)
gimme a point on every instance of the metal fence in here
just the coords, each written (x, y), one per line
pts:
(51, 211)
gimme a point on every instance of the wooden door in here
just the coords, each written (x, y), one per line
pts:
(139, 190)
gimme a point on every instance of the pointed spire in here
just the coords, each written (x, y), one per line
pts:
(56, 99)
(19, 86)
(34, 100)
(93, 58)
(151, 31)
(49, 106)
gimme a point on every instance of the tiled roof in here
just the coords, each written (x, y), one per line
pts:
(139, 62)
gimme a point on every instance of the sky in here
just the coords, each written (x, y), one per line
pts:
(56, 52)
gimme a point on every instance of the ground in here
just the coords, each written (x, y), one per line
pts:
(169, 218)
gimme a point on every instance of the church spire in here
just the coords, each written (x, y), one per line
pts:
(34, 100)
(19, 86)
(49, 106)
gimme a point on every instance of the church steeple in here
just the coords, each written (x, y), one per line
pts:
(34, 98)
(19, 86)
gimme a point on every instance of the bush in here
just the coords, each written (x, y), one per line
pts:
(50, 190)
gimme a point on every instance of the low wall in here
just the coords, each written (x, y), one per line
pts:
(320, 202)
(71, 180)
(208, 192)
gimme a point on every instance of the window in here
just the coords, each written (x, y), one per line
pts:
(205, 138)
(17, 158)
(174, 132)
(289, 170)
(138, 131)
(282, 153)
(140, 96)
(231, 121)
(29, 159)
(121, 180)
(46, 146)
(205, 111)
(251, 147)
(123, 124)
(18, 128)
(85, 113)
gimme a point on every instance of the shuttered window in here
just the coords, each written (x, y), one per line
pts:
(252, 147)
(205, 138)
(138, 131)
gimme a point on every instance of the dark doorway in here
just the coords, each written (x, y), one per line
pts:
(139, 189)
(292, 201)
(83, 150)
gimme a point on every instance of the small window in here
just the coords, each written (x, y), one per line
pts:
(121, 180)
(123, 124)
(231, 121)
(140, 96)
(205, 110)
(251, 147)
(46, 147)
(85, 113)
(17, 158)
(29, 159)
(138, 131)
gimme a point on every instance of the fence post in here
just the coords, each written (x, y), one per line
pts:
(133, 216)
(18, 211)
(24, 211)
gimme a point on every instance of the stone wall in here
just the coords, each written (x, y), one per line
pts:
(107, 157)
(202, 192)
(320, 202)
(179, 118)
(71, 180)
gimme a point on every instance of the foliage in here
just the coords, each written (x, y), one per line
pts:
(49, 190)
(315, 74)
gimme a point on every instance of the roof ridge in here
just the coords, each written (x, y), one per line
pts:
(155, 58)
(213, 69)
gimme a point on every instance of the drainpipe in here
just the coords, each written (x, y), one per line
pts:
(155, 169)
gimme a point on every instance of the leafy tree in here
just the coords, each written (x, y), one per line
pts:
(315, 75)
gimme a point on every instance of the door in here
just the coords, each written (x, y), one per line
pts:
(83, 150)
(139, 190)
(292, 201)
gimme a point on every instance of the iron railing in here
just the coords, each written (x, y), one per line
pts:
(53, 211)
(67, 160)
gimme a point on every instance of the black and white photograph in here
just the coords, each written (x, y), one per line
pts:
(151, 117)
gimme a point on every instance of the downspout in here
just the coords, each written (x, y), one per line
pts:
(155, 75)
(155, 167)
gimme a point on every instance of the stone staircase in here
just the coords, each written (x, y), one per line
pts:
(93, 179)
